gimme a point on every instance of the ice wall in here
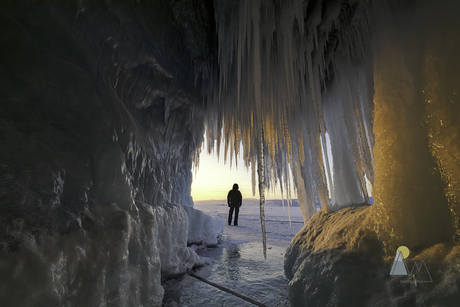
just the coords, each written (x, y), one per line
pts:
(415, 122)
(204, 229)
(101, 121)
(96, 107)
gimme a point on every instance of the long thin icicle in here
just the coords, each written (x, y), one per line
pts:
(258, 110)
(289, 197)
(261, 172)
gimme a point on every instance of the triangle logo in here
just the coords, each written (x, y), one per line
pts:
(422, 272)
(399, 267)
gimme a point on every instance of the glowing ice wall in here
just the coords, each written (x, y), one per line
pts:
(416, 153)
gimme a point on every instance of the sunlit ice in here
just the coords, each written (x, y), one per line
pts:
(214, 177)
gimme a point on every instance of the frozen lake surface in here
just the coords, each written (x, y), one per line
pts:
(238, 262)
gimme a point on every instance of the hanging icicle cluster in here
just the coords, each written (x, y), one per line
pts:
(277, 59)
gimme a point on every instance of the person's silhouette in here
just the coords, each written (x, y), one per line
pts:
(234, 201)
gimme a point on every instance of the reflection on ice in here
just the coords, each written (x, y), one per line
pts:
(240, 268)
(230, 260)
(239, 264)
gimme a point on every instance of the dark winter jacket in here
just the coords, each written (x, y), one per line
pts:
(234, 197)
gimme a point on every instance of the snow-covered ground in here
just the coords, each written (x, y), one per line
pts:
(238, 261)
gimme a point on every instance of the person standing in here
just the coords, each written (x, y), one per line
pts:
(234, 200)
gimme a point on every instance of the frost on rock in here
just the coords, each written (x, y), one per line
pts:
(337, 258)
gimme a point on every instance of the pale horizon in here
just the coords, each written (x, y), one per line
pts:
(214, 179)
(247, 199)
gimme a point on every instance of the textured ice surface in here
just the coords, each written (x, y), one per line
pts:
(119, 259)
(101, 121)
(417, 184)
(203, 228)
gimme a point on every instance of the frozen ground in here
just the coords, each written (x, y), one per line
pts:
(238, 262)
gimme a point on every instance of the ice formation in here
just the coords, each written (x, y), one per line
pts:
(312, 68)
(203, 229)
(120, 259)
(416, 81)
(378, 78)
(100, 124)
(275, 62)
(337, 259)
(104, 105)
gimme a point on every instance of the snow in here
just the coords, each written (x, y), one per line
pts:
(248, 229)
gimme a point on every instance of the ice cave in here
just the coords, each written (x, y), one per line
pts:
(105, 105)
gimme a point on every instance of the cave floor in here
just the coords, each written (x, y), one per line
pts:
(238, 262)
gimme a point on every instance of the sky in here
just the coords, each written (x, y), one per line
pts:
(214, 179)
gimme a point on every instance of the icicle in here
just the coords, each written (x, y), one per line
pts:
(288, 192)
(261, 172)
(259, 121)
(282, 198)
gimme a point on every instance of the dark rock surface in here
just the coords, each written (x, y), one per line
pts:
(338, 260)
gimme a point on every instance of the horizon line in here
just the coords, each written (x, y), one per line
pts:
(247, 198)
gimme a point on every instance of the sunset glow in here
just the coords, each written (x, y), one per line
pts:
(214, 179)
